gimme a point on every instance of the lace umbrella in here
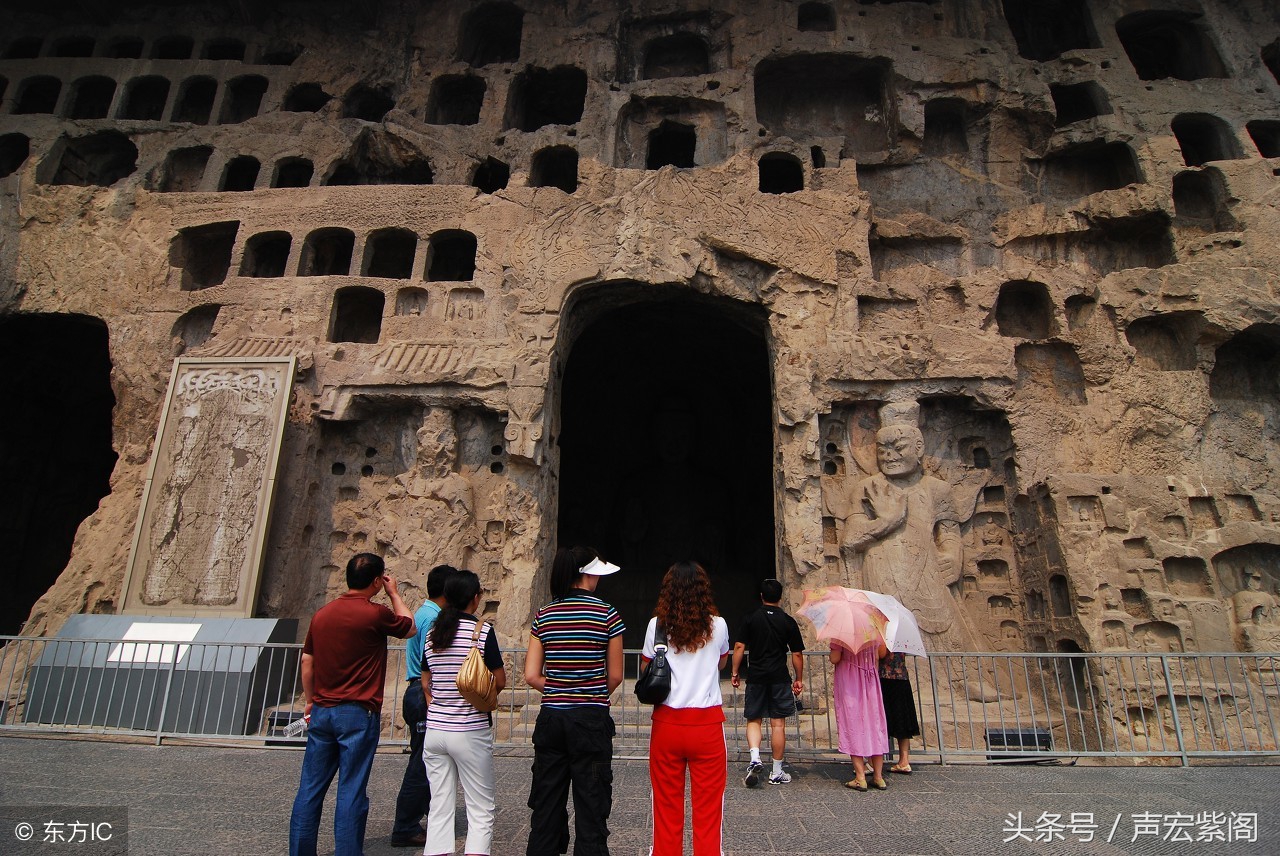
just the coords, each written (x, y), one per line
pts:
(858, 619)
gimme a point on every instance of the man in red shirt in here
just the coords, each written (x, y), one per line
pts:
(344, 667)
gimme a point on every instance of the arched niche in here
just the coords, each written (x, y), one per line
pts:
(780, 172)
(1045, 29)
(451, 256)
(195, 100)
(94, 160)
(327, 252)
(357, 315)
(367, 103)
(266, 254)
(491, 33)
(56, 460)
(195, 326)
(689, 470)
(1060, 596)
(1025, 310)
(293, 172)
(1204, 138)
(815, 18)
(676, 55)
(91, 97)
(539, 97)
(456, 99)
(389, 253)
(305, 98)
(1201, 202)
(1247, 366)
(145, 98)
(242, 99)
(183, 170)
(1167, 43)
(555, 166)
(240, 175)
(202, 254)
(1165, 342)
(1158, 637)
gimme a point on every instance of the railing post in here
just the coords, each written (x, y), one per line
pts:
(168, 686)
(1173, 707)
(937, 714)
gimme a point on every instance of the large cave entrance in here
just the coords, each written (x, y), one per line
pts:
(55, 448)
(666, 444)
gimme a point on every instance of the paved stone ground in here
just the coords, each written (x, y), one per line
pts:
(186, 800)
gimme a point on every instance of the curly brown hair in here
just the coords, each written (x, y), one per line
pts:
(685, 607)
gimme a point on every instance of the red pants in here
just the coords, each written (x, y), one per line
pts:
(690, 738)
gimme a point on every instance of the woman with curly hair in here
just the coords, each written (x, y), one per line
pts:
(688, 728)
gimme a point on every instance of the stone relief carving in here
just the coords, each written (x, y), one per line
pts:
(1257, 614)
(203, 516)
(523, 433)
(899, 532)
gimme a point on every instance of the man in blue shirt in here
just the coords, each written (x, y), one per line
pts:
(415, 791)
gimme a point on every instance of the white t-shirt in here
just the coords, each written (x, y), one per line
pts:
(695, 675)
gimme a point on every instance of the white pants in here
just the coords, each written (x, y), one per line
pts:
(450, 757)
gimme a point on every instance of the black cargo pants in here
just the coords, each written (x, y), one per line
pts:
(571, 747)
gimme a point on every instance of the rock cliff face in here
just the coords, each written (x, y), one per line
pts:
(657, 276)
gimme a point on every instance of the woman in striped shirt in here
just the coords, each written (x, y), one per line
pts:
(459, 739)
(575, 661)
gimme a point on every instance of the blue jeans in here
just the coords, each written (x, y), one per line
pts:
(341, 740)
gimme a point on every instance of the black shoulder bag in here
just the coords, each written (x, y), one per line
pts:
(655, 684)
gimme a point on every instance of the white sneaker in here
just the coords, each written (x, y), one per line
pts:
(752, 779)
(780, 778)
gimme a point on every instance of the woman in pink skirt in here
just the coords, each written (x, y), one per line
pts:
(860, 712)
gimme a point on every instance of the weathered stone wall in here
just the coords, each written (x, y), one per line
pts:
(1046, 232)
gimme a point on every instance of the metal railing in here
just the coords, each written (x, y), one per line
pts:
(989, 707)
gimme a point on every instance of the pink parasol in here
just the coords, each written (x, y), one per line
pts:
(857, 619)
(846, 616)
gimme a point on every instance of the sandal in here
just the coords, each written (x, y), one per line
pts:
(880, 784)
(904, 769)
(858, 784)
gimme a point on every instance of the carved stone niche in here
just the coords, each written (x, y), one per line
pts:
(1158, 637)
(993, 573)
(1175, 527)
(1251, 573)
(1010, 636)
(1204, 513)
(1060, 596)
(1187, 576)
(1115, 636)
(999, 606)
(1134, 603)
(1086, 512)
(1242, 507)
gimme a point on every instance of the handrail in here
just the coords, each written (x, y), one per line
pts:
(975, 706)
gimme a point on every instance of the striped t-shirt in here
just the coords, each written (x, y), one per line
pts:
(448, 710)
(575, 632)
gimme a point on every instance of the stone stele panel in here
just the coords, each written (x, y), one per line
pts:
(198, 546)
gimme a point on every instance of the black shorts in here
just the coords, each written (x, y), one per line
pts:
(772, 700)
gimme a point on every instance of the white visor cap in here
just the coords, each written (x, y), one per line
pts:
(598, 568)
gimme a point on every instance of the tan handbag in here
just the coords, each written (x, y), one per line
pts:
(476, 683)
